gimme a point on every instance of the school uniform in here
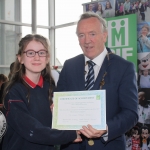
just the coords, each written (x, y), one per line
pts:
(29, 118)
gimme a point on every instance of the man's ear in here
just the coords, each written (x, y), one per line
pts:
(105, 34)
(19, 59)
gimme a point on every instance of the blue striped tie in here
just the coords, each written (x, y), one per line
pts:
(89, 82)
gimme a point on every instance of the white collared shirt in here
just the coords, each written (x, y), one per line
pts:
(98, 61)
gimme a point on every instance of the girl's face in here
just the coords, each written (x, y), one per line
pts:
(144, 31)
(99, 7)
(107, 5)
(35, 64)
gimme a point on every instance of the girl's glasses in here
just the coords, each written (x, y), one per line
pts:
(32, 53)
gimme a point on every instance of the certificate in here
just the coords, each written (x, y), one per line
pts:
(72, 110)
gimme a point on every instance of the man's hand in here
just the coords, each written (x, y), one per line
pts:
(90, 132)
(78, 139)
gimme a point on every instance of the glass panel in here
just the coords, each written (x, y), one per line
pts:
(43, 32)
(9, 10)
(26, 30)
(68, 10)
(4, 71)
(66, 44)
(42, 12)
(9, 38)
(26, 11)
(1, 8)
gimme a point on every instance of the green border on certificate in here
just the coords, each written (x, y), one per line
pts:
(72, 110)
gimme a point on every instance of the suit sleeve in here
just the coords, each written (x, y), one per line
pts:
(127, 117)
(62, 82)
(21, 121)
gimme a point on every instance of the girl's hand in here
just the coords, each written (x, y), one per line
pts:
(51, 108)
(78, 139)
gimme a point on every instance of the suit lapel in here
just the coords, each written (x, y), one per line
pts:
(80, 73)
(100, 75)
(81, 68)
(103, 68)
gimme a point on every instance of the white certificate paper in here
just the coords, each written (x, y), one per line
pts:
(72, 110)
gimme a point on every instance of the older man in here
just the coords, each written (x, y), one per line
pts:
(112, 73)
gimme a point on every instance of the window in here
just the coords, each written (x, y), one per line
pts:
(66, 44)
(42, 12)
(9, 34)
(16, 22)
(43, 32)
(8, 45)
(66, 41)
(26, 11)
(68, 11)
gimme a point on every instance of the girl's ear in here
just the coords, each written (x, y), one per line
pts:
(19, 59)
(47, 59)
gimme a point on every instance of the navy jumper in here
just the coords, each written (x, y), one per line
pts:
(29, 123)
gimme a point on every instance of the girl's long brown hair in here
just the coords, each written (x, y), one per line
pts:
(19, 69)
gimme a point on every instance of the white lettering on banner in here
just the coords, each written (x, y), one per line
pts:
(123, 52)
(118, 35)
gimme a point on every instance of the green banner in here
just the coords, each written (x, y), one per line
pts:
(122, 36)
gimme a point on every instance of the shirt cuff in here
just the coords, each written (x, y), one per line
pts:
(105, 136)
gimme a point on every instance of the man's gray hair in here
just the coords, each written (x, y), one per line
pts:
(90, 15)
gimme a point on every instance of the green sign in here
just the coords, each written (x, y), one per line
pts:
(122, 37)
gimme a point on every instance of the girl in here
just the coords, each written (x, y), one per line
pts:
(100, 10)
(109, 11)
(27, 100)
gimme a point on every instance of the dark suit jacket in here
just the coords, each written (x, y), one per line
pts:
(121, 98)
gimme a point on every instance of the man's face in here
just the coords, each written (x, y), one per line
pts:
(91, 37)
